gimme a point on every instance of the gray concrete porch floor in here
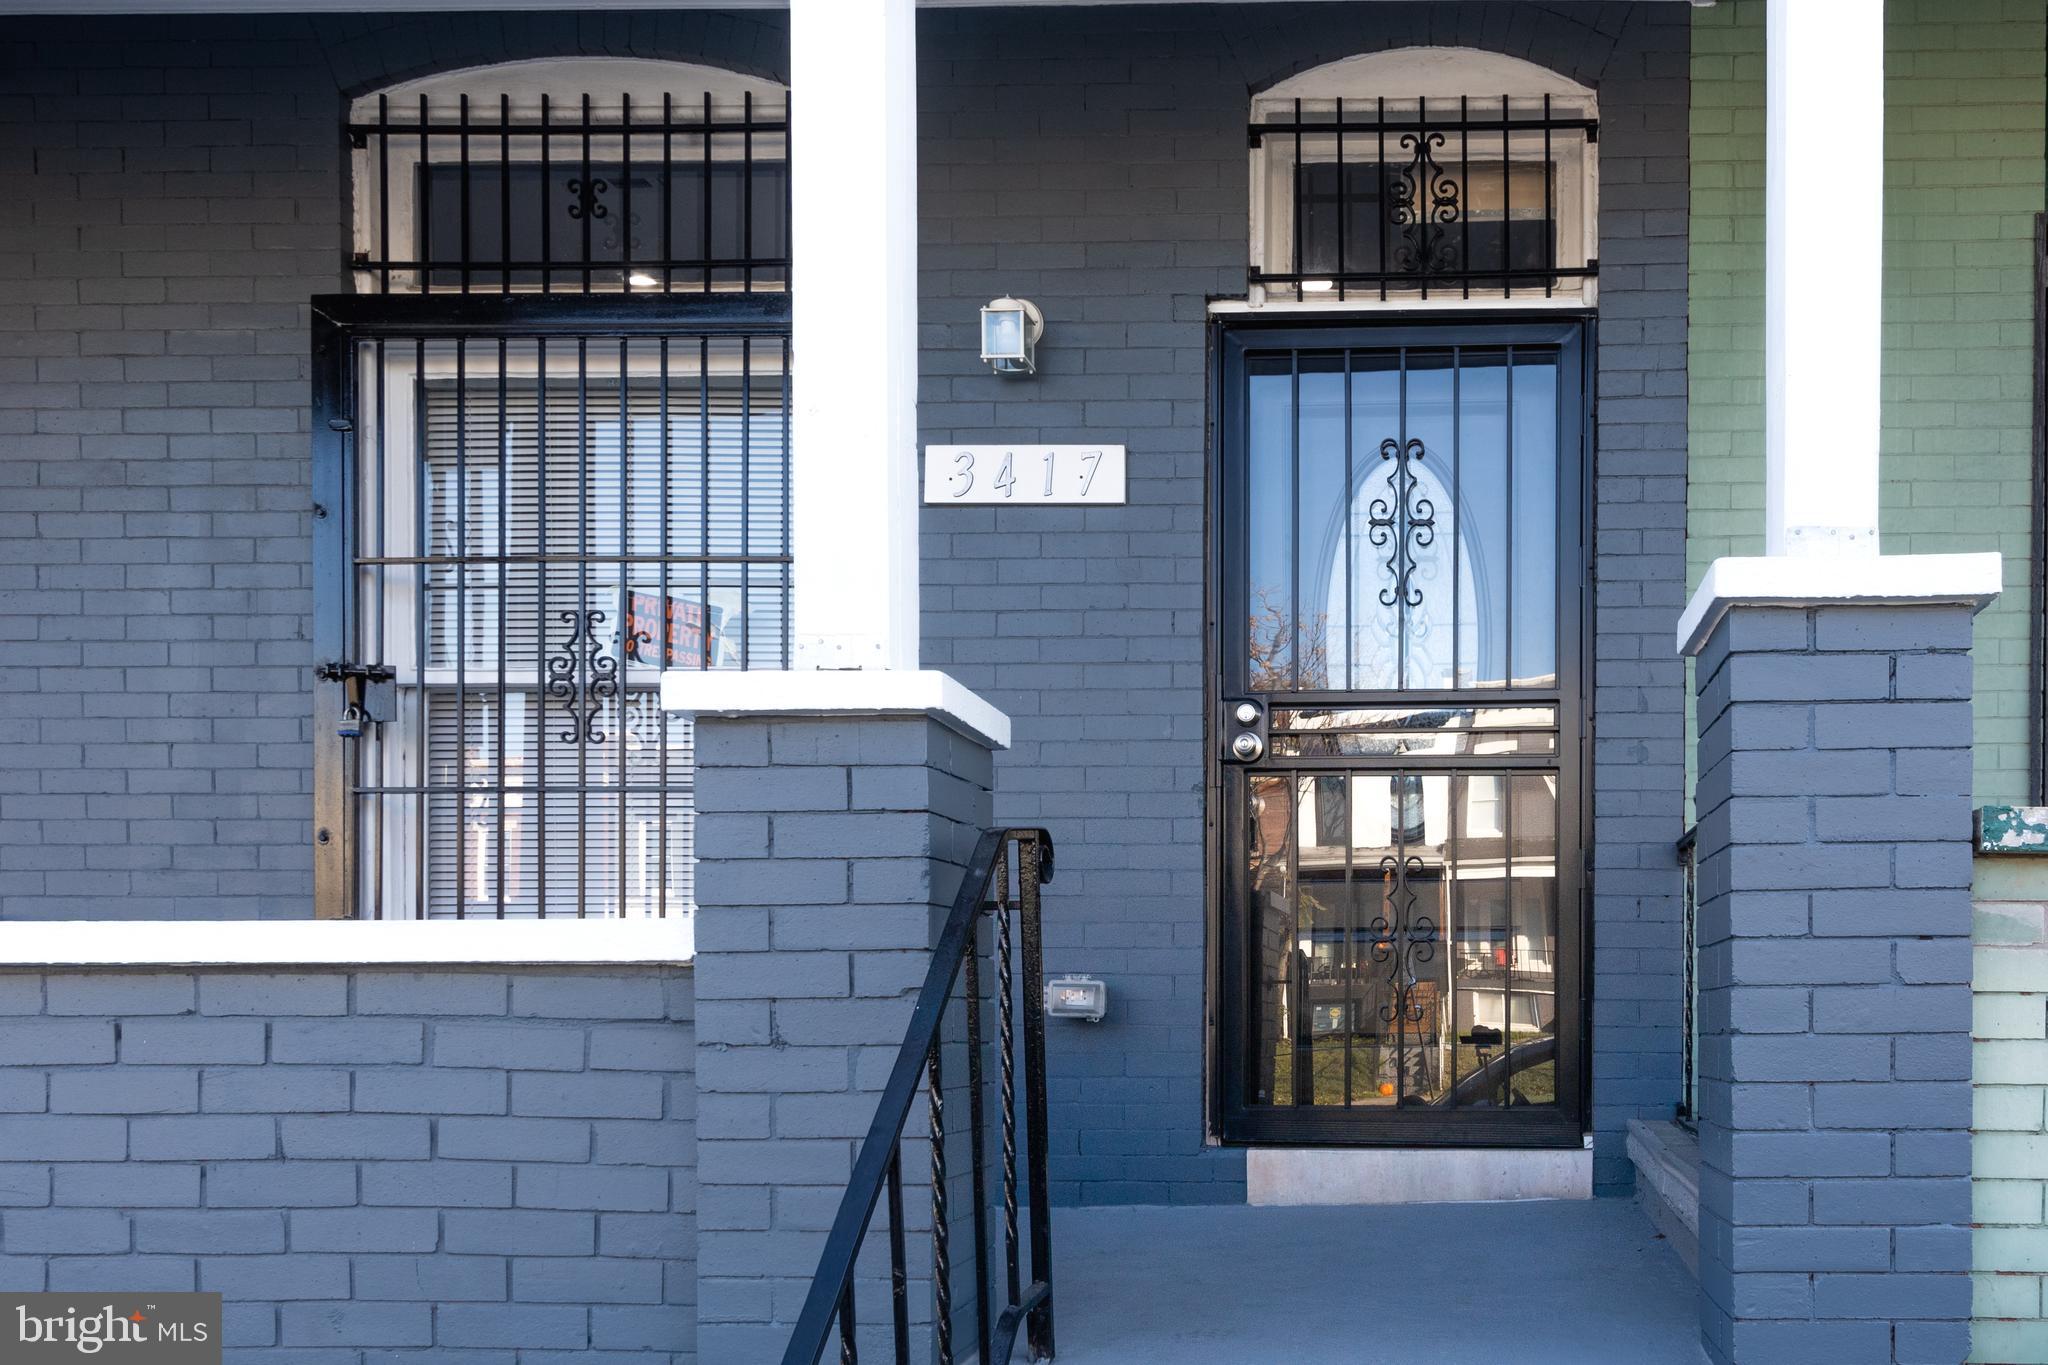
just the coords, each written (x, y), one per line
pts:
(1582, 1282)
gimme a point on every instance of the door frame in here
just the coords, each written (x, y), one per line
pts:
(1230, 1124)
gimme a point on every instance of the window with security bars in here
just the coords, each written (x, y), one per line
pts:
(542, 525)
(1371, 199)
(533, 185)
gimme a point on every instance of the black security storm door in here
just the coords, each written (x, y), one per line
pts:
(1401, 561)
(526, 510)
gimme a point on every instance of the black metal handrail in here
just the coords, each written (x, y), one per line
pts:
(878, 1169)
(1688, 1061)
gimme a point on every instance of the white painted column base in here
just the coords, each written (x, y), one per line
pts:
(1881, 580)
(1461, 1175)
(835, 692)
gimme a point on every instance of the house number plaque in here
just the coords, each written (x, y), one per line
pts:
(1024, 474)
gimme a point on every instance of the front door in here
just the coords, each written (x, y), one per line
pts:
(1401, 562)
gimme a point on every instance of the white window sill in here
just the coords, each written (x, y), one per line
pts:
(307, 943)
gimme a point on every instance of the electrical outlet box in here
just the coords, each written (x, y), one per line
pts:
(1076, 997)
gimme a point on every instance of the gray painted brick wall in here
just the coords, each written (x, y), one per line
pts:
(367, 1165)
(1093, 160)
(831, 850)
(172, 191)
(1834, 929)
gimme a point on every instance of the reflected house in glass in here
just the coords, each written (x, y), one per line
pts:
(1423, 967)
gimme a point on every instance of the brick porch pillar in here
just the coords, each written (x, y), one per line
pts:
(1834, 940)
(828, 852)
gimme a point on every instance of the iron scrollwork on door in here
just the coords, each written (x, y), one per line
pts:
(1402, 523)
(1423, 204)
(1402, 939)
(583, 677)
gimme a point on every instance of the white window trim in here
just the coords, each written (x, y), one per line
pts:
(1438, 74)
(345, 943)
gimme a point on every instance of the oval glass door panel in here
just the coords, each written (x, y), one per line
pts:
(1402, 513)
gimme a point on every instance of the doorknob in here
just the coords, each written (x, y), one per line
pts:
(1245, 723)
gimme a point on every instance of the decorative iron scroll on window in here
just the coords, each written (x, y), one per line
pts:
(1423, 203)
(685, 192)
(583, 677)
(1405, 524)
(589, 195)
(1402, 938)
(1463, 196)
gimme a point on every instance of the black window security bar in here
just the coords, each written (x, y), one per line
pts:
(927, 1061)
(600, 195)
(524, 515)
(1432, 198)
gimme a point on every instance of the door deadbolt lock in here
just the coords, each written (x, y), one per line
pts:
(1244, 720)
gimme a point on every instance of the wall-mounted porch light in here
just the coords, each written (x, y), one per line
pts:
(1010, 329)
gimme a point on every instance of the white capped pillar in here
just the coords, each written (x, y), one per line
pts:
(853, 388)
(1824, 231)
(853, 240)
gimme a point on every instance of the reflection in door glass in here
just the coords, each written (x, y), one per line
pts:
(1401, 517)
(1409, 561)
(1483, 499)
(1321, 643)
(1534, 662)
(1406, 933)
(1270, 627)
(1269, 856)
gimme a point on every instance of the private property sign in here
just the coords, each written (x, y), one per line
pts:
(691, 633)
(1024, 474)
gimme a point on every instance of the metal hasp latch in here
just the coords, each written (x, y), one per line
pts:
(356, 681)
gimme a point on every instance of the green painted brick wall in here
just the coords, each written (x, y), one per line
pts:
(2009, 1151)
(1964, 116)
(1963, 180)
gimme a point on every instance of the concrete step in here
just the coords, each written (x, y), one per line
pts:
(1578, 1282)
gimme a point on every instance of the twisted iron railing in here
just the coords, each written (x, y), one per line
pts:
(1688, 1059)
(985, 894)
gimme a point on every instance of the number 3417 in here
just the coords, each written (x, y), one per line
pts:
(969, 474)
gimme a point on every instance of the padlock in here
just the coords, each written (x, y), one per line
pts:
(355, 680)
(354, 715)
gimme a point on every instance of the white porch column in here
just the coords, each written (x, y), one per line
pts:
(1824, 235)
(853, 236)
(853, 457)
